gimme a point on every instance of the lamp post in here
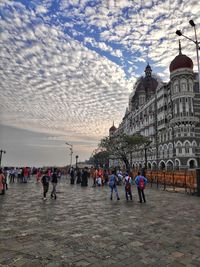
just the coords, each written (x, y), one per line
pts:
(197, 44)
(71, 153)
(1, 152)
(76, 161)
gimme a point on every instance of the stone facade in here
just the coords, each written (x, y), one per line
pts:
(167, 113)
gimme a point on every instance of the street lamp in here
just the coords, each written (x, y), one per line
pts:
(76, 161)
(71, 153)
(1, 152)
(179, 33)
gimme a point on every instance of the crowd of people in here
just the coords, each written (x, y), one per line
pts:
(112, 179)
(101, 177)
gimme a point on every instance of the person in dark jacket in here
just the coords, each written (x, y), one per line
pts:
(84, 178)
(72, 174)
(54, 181)
(78, 181)
(45, 182)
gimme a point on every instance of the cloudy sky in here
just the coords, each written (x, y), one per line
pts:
(68, 66)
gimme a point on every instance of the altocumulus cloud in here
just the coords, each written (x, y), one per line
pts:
(52, 83)
(67, 68)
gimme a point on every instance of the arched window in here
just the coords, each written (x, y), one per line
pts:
(187, 148)
(170, 150)
(165, 148)
(179, 148)
(194, 144)
(177, 164)
(175, 87)
(183, 85)
(160, 152)
(190, 85)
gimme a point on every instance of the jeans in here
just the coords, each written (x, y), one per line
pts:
(53, 192)
(141, 194)
(128, 193)
(111, 191)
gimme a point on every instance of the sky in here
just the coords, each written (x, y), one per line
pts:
(67, 69)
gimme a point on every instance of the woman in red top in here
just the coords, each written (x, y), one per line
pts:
(2, 182)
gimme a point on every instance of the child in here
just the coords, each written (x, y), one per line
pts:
(45, 182)
(127, 183)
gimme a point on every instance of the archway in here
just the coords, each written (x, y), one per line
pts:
(192, 164)
(162, 165)
(153, 166)
(149, 166)
(177, 164)
(170, 165)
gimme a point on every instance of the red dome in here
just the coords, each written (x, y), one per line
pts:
(113, 129)
(181, 61)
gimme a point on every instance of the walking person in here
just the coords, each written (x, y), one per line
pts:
(45, 182)
(141, 182)
(2, 183)
(54, 181)
(113, 185)
(128, 190)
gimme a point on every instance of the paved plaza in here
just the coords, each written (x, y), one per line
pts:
(84, 228)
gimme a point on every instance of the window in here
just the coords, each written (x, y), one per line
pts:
(190, 86)
(175, 87)
(179, 148)
(187, 148)
(183, 85)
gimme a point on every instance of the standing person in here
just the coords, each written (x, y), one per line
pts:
(113, 185)
(54, 181)
(2, 183)
(38, 175)
(141, 182)
(84, 178)
(78, 180)
(128, 182)
(45, 182)
(72, 174)
(25, 175)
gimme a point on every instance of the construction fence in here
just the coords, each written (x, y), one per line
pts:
(183, 181)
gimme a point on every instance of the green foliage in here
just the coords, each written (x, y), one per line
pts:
(99, 158)
(121, 146)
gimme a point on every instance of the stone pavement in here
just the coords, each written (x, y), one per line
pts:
(84, 228)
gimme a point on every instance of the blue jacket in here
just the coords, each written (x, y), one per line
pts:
(137, 178)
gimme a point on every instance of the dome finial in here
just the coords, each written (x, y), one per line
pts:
(148, 70)
(180, 52)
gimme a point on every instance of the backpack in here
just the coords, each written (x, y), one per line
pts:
(127, 185)
(141, 183)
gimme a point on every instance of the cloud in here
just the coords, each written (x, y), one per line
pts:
(70, 68)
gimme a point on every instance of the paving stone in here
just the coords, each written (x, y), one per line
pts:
(84, 228)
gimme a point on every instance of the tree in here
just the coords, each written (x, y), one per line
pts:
(122, 146)
(99, 158)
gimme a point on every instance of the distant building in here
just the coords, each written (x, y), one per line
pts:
(167, 113)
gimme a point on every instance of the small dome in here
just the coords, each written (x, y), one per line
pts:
(181, 61)
(113, 128)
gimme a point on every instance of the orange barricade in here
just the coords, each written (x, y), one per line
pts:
(177, 179)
